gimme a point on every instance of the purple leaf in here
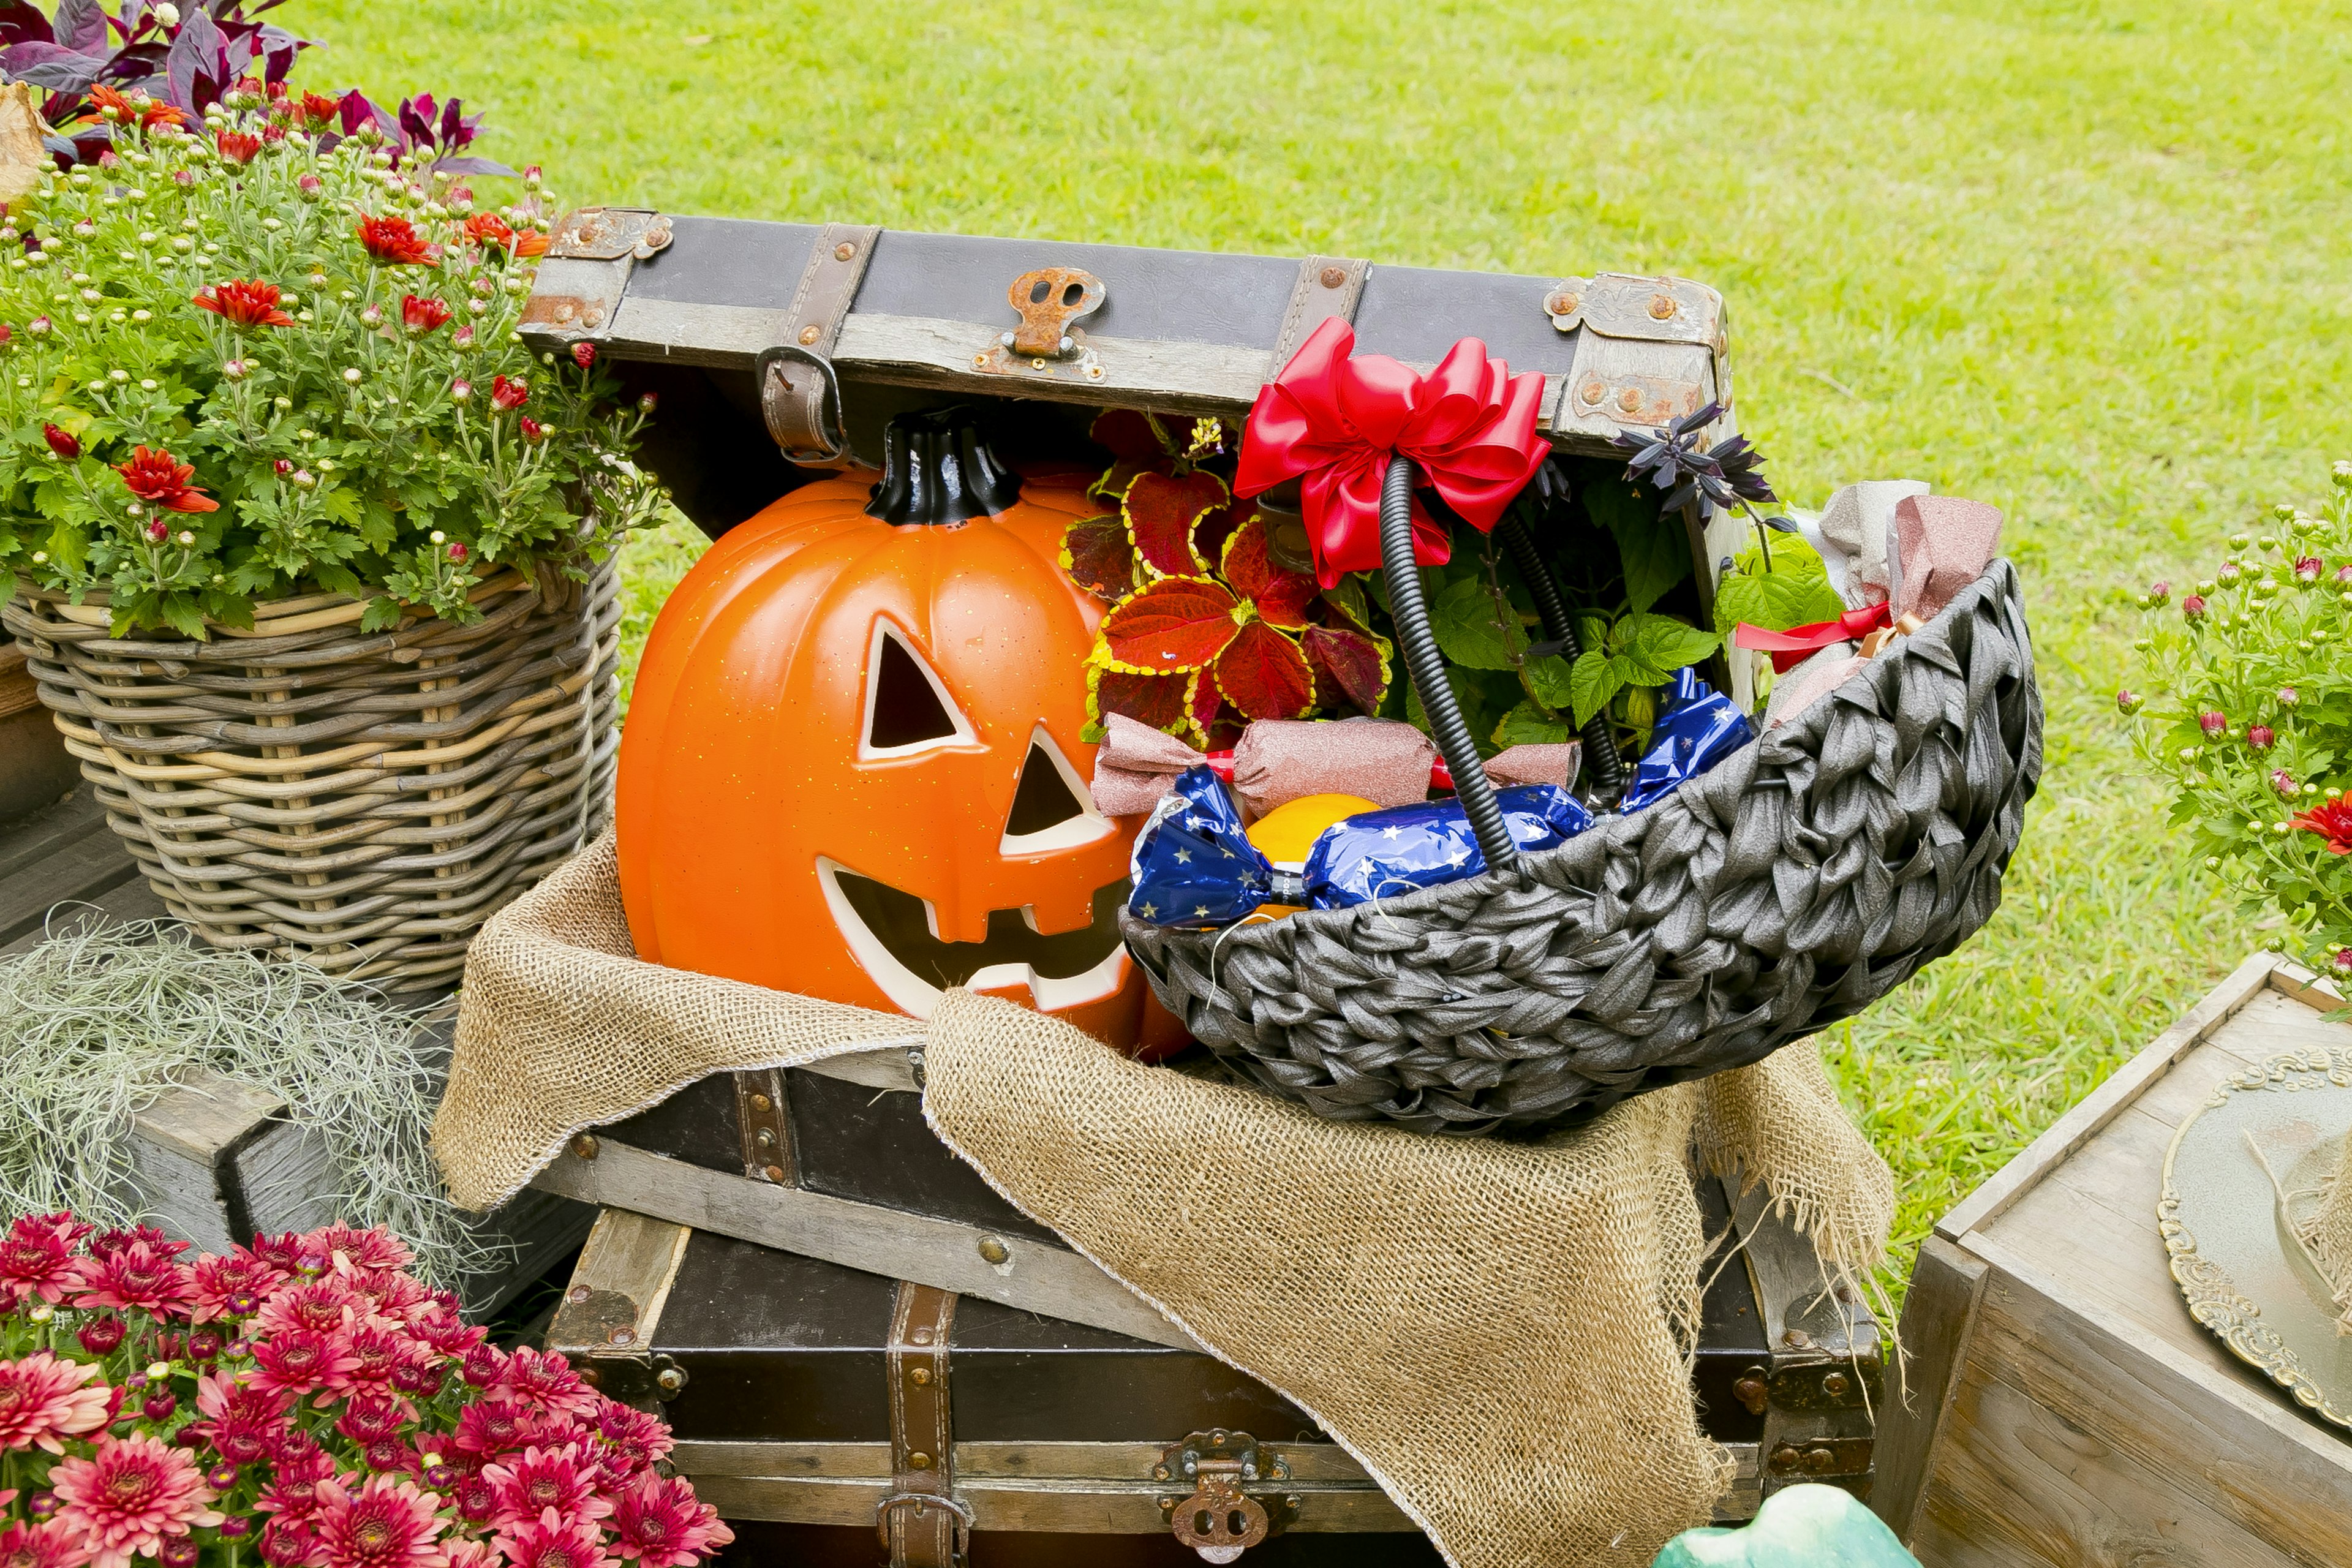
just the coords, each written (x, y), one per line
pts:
(198, 60)
(50, 66)
(278, 48)
(358, 109)
(453, 126)
(134, 12)
(21, 23)
(81, 24)
(416, 122)
(470, 165)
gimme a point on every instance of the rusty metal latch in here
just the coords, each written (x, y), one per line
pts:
(1050, 302)
(1237, 1500)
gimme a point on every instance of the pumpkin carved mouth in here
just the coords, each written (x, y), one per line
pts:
(893, 935)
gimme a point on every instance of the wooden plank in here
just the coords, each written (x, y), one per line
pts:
(894, 1243)
(622, 1283)
(2209, 1433)
(79, 865)
(181, 1145)
(2070, 1131)
(1086, 1507)
(879, 1066)
(1938, 1315)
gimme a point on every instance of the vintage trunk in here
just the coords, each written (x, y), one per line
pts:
(2064, 1408)
(770, 339)
(771, 1368)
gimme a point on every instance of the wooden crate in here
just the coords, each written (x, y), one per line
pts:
(2063, 1408)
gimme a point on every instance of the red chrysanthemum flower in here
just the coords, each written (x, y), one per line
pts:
(63, 443)
(386, 1523)
(508, 394)
(37, 1257)
(531, 244)
(419, 1370)
(470, 1493)
(490, 228)
(643, 1438)
(584, 355)
(236, 148)
(44, 1543)
(324, 1306)
(2332, 821)
(107, 1243)
(561, 1544)
(376, 1248)
(491, 1427)
(445, 1331)
(160, 480)
(373, 1353)
(532, 430)
(245, 302)
(318, 109)
(525, 1485)
(394, 241)
(135, 108)
(473, 1554)
(137, 1277)
(44, 1399)
(422, 315)
(241, 1423)
(662, 1524)
(237, 1273)
(299, 1360)
(129, 1495)
(546, 1382)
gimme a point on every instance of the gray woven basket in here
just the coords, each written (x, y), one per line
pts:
(1804, 878)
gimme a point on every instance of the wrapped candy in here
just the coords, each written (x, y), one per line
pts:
(1698, 728)
(1194, 866)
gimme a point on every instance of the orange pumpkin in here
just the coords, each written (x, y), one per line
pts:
(852, 766)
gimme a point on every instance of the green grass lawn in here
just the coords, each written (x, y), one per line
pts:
(2085, 262)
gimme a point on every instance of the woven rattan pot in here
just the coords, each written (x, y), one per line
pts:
(1794, 885)
(360, 800)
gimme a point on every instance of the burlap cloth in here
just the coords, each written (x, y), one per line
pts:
(1499, 1332)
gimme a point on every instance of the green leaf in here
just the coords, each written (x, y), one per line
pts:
(1468, 632)
(382, 613)
(1655, 549)
(69, 547)
(1526, 725)
(1795, 593)
(1469, 696)
(1549, 679)
(1592, 680)
(1664, 644)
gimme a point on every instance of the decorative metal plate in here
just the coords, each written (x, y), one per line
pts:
(2240, 1174)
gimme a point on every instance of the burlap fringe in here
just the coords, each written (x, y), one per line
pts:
(1500, 1332)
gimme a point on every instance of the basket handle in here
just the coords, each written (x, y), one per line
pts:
(1599, 746)
(1427, 667)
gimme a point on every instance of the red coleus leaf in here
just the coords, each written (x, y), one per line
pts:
(1348, 664)
(1096, 554)
(1160, 510)
(1281, 596)
(1129, 434)
(1265, 674)
(1162, 701)
(1285, 601)
(1203, 704)
(1176, 623)
(1209, 535)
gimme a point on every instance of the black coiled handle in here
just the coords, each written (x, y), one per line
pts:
(1427, 667)
(1600, 745)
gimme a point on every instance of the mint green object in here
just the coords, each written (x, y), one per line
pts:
(1803, 1527)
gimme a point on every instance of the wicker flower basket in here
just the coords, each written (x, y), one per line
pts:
(364, 801)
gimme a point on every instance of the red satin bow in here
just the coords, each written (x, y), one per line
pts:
(1336, 420)
(1791, 648)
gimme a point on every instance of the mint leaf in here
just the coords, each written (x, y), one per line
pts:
(1468, 633)
(1666, 643)
(1526, 725)
(1592, 680)
(1549, 679)
(1653, 548)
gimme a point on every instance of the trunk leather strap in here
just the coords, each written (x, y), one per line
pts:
(1327, 286)
(799, 395)
(920, 1522)
(767, 1136)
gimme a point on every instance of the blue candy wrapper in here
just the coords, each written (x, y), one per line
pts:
(1377, 854)
(1194, 867)
(1698, 728)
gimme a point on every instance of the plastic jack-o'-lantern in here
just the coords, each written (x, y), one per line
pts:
(852, 766)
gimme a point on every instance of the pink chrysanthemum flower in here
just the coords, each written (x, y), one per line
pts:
(471, 1493)
(242, 1424)
(438, 1325)
(372, 1353)
(324, 1306)
(386, 1523)
(299, 1362)
(491, 1427)
(107, 1243)
(43, 1544)
(472, 1554)
(44, 1399)
(548, 1382)
(525, 1485)
(642, 1437)
(555, 1543)
(231, 1275)
(37, 1257)
(376, 1250)
(663, 1525)
(123, 1501)
(136, 1276)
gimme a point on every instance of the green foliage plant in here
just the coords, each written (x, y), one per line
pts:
(248, 358)
(2249, 716)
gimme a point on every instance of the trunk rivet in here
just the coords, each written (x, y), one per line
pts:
(993, 1250)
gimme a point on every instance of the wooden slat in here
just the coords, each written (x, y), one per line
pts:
(58, 856)
(895, 1243)
(622, 1280)
(2070, 1131)
(1938, 1315)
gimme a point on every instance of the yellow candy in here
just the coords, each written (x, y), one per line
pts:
(1285, 834)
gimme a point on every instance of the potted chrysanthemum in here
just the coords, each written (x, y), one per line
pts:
(312, 561)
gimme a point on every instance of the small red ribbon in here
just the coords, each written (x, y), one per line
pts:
(1790, 649)
(1334, 420)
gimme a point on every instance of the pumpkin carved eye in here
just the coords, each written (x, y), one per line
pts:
(907, 709)
(1052, 807)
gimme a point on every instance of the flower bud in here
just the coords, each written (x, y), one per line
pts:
(647, 402)
(187, 538)
(2193, 606)
(159, 531)
(2308, 568)
(2127, 702)
(283, 465)
(304, 479)
(159, 1407)
(166, 14)
(38, 326)
(2159, 591)
(584, 355)
(63, 443)
(101, 1335)
(2261, 737)
(43, 1505)
(351, 376)
(2212, 723)
(464, 337)
(235, 369)
(457, 551)
(2283, 782)
(2342, 472)
(203, 1346)
(461, 391)
(2288, 697)
(2285, 509)
(372, 315)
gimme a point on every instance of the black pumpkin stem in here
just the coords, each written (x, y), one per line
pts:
(937, 467)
